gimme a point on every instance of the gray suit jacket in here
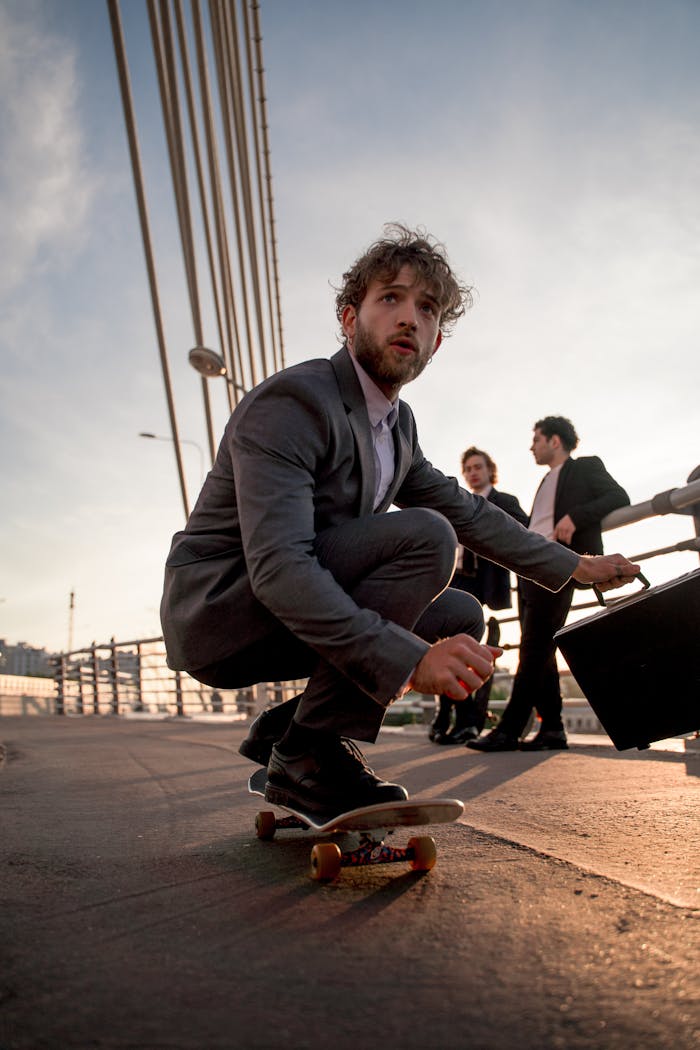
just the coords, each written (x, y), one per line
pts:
(296, 458)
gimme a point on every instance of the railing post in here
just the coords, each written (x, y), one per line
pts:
(80, 706)
(95, 681)
(178, 694)
(114, 668)
(695, 476)
(60, 685)
(139, 680)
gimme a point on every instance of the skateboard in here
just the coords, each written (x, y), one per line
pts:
(372, 824)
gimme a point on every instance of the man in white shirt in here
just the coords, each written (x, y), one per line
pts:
(573, 498)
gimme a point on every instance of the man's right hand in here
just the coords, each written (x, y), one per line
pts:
(455, 667)
(607, 570)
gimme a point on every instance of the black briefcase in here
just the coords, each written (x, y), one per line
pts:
(638, 662)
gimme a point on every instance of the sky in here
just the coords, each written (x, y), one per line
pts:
(553, 146)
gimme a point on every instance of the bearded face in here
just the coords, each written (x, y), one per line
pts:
(395, 360)
(395, 331)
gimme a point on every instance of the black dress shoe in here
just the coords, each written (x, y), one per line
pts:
(444, 738)
(436, 732)
(496, 740)
(332, 778)
(462, 736)
(546, 740)
(269, 727)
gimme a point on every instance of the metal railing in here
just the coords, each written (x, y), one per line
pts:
(684, 500)
(132, 678)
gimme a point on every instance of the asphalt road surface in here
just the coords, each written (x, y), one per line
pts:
(138, 909)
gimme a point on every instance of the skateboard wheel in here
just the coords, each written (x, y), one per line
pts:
(265, 825)
(424, 852)
(325, 861)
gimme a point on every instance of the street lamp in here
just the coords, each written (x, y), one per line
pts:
(211, 365)
(183, 441)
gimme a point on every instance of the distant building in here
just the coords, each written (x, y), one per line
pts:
(577, 714)
(23, 659)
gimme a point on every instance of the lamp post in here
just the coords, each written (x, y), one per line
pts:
(183, 441)
(211, 365)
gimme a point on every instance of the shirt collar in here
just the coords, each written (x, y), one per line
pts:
(379, 407)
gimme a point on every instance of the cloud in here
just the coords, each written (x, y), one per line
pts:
(45, 193)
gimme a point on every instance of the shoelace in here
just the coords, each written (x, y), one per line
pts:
(350, 753)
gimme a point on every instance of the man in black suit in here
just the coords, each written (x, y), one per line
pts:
(570, 503)
(490, 585)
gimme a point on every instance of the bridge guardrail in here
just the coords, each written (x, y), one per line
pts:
(132, 678)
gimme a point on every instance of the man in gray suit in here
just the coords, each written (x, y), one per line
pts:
(289, 568)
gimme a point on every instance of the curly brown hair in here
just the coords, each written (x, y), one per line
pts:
(400, 247)
(490, 465)
(562, 427)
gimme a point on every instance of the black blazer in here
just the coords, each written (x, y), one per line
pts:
(586, 492)
(298, 452)
(490, 583)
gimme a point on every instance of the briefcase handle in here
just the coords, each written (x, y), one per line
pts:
(623, 598)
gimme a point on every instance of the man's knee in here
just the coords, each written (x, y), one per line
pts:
(432, 530)
(430, 524)
(453, 612)
(471, 614)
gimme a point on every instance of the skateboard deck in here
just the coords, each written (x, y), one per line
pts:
(371, 823)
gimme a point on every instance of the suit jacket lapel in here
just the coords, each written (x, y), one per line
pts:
(562, 482)
(356, 409)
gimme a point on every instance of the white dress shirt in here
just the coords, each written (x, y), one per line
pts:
(382, 417)
(542, 517)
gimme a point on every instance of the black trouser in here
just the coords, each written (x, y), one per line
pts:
(471, 712)
(398, 565)
(536, 682)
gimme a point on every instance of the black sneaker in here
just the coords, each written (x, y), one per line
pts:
(269, 727)
(329, 779)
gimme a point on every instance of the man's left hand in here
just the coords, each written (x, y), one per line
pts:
(608, 571)
(564, 529)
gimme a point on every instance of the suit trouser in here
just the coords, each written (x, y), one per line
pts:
(397, 564)
(536, 682)
(471, 712)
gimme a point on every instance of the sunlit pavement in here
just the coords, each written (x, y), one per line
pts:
(139, 910)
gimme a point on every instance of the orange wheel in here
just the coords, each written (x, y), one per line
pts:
(424, 853)
(265, 825)
(325, 861)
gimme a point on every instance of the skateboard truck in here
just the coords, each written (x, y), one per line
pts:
(327, 858)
